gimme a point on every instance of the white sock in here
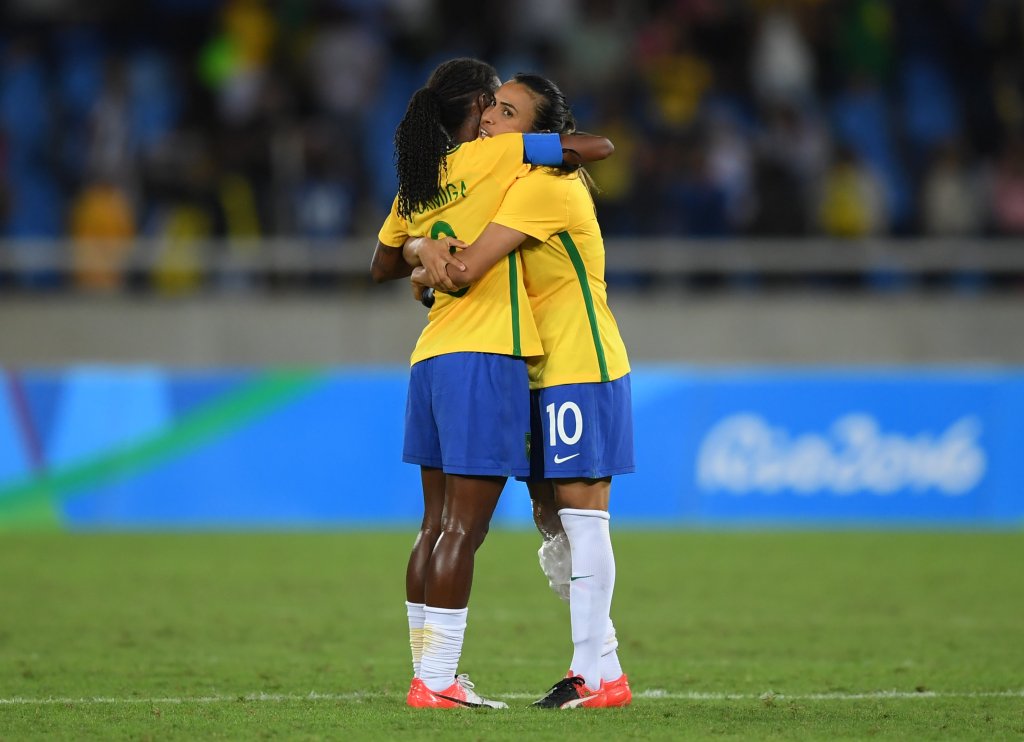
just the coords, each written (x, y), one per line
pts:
(443, 631)
(556, 563)
(590, 591)
(415, 613)
(610, 667)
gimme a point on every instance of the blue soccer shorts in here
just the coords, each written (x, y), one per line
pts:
(582, 431)
(469, 413)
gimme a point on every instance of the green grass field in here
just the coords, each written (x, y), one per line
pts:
(303, 636)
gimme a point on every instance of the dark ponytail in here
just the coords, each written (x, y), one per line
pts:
(427, 131)
(553, 114)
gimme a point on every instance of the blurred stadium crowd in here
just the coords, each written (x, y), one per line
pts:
(189, 119)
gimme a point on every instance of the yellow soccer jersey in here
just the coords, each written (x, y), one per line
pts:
(563, 265)
(493, 315)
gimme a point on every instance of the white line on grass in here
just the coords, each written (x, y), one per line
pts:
(654, 694)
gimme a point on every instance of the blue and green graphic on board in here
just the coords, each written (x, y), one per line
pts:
(144, 448)
(147, 448)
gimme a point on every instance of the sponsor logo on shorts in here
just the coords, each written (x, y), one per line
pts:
(563, 459)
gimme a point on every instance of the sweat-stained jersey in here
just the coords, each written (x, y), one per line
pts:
(563, 266)
(492, 315)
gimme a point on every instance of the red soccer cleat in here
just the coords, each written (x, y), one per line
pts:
(459, 694)
(571, 692)
(613, 693)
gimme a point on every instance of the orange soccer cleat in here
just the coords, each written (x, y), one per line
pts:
(612, 693)
(572, 692)
(459, 694)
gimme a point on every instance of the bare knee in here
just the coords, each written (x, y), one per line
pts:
(473, 534)
(429, 534)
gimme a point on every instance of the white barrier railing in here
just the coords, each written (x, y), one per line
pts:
(658, 257)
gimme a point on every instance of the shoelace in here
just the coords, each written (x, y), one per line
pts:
(467, 685)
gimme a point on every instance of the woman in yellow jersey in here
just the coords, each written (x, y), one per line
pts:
(581, 407)
(467, 418)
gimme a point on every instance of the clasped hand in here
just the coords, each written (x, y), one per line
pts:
(435, 256)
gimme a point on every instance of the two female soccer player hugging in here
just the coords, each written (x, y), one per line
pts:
(520, 370)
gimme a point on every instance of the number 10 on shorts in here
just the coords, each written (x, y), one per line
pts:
(557, 426)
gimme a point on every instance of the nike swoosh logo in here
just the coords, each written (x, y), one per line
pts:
(560, 460)
(459, 701)
(579, 577)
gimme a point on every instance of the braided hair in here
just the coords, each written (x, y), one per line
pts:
(427, 131)
(552, 113)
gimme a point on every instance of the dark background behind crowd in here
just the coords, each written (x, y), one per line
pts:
(188, 119)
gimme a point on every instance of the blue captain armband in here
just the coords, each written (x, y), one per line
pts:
(542, 149)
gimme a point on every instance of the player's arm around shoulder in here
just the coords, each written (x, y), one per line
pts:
(565, 150)
(581, 148)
